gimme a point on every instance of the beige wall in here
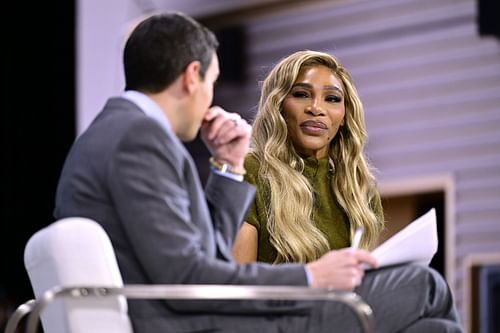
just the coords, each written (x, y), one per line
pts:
(429, 82)
(431, 89)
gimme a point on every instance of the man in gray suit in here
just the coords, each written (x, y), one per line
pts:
(130, 172)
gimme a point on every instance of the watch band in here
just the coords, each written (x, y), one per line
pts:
(223, 167)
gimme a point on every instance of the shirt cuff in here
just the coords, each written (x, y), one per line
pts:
(233, 176)
(308, 276)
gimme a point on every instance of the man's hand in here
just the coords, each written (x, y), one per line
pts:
(226, 136)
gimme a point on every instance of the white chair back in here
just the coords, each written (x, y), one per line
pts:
(74, 252)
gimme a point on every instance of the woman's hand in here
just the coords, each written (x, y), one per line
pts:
(341, 269)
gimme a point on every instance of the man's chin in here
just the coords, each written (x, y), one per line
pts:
(188, 137)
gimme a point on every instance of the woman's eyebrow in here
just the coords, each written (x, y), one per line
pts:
(328, 87)
(334, 87)
(301, 84)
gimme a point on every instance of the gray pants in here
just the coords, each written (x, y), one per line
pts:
(407, 298)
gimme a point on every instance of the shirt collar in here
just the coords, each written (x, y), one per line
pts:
(149, 107)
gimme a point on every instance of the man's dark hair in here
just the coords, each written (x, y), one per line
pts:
(160, 48)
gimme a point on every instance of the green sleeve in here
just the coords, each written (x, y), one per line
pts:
(256, 215)
(252, 168)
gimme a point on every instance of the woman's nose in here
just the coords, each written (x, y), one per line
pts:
(315, 108)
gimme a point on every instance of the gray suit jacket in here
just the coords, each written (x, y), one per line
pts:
(140, 183)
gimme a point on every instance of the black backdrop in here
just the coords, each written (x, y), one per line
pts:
(38, 126)
(488, 18)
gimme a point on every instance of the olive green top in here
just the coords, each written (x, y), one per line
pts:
(329, 217)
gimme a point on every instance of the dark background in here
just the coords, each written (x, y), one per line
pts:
(38, 126)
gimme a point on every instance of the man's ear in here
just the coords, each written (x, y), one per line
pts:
(192, 76)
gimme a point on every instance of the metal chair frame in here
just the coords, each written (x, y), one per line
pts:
(34, 308)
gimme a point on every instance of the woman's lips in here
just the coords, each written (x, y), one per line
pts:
(313, 127)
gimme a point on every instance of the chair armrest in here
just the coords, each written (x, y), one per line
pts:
(206, 292)
(16, 317)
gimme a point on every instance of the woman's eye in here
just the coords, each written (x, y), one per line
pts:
(299, 94)
(334, 99)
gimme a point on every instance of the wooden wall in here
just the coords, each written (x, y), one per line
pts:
(431, 90)
(429, 82)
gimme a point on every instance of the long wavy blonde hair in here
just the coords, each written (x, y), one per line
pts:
(289, 213)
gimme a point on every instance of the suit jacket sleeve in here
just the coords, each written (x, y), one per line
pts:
(168, 223)
(228, 202)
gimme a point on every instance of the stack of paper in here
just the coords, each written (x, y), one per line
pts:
(417, 243)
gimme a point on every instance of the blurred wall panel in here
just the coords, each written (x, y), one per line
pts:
(429, 81)
(431, 89)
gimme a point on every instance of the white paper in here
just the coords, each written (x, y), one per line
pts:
(416, 243)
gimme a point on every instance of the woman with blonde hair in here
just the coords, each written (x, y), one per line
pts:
(314, 184)
(315, 188)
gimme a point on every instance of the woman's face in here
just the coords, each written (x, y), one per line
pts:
(314, 110)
